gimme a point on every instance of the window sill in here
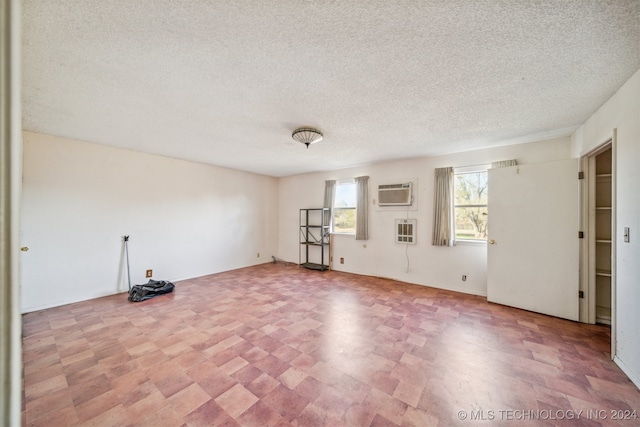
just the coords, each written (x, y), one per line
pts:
(343, 234)
(471, 242)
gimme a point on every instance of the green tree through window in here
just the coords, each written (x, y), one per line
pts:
(471, 205)
(344, 208)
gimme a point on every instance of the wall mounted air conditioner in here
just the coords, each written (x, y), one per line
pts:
(395, 194)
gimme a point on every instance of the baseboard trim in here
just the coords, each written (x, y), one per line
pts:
(635, 379)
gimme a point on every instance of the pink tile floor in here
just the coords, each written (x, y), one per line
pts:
(277, 345)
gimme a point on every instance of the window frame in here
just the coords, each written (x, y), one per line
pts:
(339, 183)
(482, 168)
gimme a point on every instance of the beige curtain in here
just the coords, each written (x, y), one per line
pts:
(443, 217)
(329, 197)
(362, 208)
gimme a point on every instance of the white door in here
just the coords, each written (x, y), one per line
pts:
(533, 250)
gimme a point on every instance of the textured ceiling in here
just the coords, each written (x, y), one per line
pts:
(226, 82)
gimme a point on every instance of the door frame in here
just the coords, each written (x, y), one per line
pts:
(10, 195)
(588, 245)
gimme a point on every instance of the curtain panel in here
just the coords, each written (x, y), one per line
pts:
(443, 217)
(362, 208)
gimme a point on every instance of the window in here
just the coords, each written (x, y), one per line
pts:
(470, 205)
(344, 208)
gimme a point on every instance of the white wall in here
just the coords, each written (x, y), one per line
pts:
(440, 267)
(622, 112)
(185, 219)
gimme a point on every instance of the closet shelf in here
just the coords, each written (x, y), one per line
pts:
(600, 265)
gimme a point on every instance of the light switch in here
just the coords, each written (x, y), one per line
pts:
(626, 234)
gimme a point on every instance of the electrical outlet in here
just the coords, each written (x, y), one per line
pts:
(341, 260)
(149, 273)
(464, 277)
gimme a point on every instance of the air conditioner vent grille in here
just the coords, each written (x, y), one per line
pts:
(389, 186)
(395, 194)
(406, 231)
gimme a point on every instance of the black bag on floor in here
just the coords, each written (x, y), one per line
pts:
(150, 289)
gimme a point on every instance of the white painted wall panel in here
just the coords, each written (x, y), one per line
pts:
(185, 219)
(440, 267)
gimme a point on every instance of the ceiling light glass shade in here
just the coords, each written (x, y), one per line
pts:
(307, 135)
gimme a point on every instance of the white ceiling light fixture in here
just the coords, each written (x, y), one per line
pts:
(307, 136)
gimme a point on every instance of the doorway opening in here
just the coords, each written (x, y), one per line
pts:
(598, 254)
